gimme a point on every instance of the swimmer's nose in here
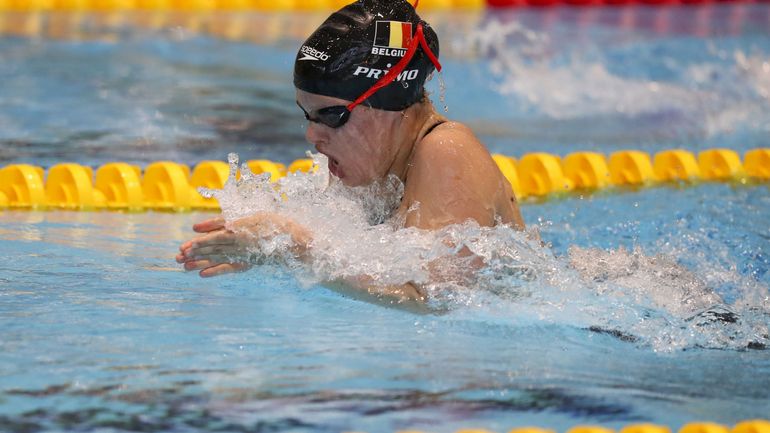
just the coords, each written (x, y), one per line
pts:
(315, 134)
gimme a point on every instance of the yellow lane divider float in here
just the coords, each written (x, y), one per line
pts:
(750, 426)
(170, 186)
(260, 22)
(209, 5)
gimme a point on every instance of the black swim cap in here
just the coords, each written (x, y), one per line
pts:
(357, 45)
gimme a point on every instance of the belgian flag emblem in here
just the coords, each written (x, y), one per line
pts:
(392, 34)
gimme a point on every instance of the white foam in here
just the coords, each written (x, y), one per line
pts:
(710, 97)
(652, 298)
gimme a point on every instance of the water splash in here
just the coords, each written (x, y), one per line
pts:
(675, 307)
(714, 88)
(442, 92)
(650, 300)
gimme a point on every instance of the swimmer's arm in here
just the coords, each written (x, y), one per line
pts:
(410, 296)
(218, 248)
(407, 296)
(222, 250)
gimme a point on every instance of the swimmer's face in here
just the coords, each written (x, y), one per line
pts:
(360, 151)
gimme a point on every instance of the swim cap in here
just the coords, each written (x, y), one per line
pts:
(357, 45)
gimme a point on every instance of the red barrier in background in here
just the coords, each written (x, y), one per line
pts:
(696, 19)
(547, 3)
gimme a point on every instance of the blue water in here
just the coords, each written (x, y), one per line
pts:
(102, 331)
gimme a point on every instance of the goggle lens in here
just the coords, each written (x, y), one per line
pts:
(333, 117)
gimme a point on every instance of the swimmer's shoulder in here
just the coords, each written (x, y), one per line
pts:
(453, 146)
(453, 172)
(456, 163)
(450, 140)
(444, 179)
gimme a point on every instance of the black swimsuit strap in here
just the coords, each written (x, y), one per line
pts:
(426, 134)
(433, 127)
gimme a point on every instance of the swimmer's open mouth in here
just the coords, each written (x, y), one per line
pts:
(334, 163)
(334, 167)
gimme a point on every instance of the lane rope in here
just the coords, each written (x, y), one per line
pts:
(171, 186)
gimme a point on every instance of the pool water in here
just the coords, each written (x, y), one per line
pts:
(646, 305)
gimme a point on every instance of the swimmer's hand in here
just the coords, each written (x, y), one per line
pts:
(222, 250)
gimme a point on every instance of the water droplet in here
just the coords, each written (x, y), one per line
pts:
(442, 92)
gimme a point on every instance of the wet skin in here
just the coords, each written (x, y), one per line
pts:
(449, 177)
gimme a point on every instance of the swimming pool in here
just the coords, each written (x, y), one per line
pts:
(103, 332)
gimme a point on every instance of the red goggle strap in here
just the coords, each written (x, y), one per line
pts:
(418, 39)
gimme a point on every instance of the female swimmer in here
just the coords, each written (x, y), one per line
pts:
(359, 80)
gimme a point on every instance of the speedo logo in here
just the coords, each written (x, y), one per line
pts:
(311, 53)
(376, 73)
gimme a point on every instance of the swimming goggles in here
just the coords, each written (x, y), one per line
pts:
(337, 115)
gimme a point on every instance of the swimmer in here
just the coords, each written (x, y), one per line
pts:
(359, 81)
